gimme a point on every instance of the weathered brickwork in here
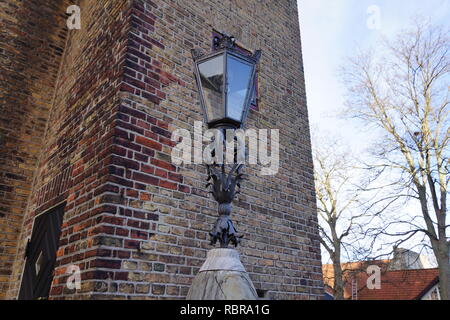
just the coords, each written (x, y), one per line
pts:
(78, 142)
(136, 224)
(32, 38)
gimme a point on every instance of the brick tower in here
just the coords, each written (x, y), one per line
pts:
(86, 122)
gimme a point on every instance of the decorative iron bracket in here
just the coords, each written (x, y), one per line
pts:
(223, 188)
(225, 42)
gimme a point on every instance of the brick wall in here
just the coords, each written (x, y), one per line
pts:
(74, 160)
(32, 37)
(136, 224)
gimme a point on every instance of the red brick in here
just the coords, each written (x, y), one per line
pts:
(149, 143)
(145, 178)
(164, 165)
(147, 169)
(175, 177)
(168, 185)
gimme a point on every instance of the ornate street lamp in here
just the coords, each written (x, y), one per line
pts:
(226, 82)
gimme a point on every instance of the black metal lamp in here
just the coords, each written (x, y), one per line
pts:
(226, 82)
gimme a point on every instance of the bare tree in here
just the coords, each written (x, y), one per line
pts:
(337, 198)
(403, 91)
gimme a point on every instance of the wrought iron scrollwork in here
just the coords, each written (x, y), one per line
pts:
(224, 42)
(224, 188)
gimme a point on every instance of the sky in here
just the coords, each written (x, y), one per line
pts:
(333, 30)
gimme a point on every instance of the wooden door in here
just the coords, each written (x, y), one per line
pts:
(41, 255)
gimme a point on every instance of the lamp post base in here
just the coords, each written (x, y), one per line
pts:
(222, 277)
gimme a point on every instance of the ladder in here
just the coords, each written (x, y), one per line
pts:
(354, 288)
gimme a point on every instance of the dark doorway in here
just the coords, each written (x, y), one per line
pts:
(41, 255)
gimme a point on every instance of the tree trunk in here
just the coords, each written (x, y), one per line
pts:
(338, 282)
(442, 258)
(337, 268)
(438, 239)
(439, 243)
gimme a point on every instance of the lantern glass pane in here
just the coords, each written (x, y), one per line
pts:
(211, 76)
(238, 80)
